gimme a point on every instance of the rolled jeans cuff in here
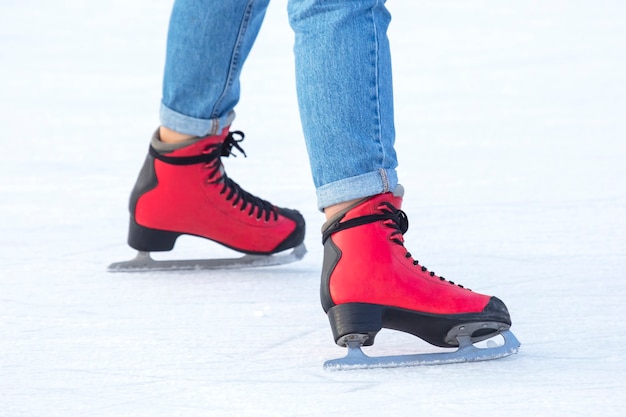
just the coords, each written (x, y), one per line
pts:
(361, 186)
(188, 125)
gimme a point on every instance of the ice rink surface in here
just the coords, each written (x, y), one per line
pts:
(511, 128)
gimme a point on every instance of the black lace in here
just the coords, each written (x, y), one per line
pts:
(391, 217)
(211, 157)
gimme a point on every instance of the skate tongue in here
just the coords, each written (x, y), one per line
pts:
(399, 191)
(398, 194)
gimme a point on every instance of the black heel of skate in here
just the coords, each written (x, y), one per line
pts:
(355, 321)
(150, 240)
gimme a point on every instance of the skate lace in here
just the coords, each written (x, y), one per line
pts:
(234, 190)
(393, 218)
(211, 158)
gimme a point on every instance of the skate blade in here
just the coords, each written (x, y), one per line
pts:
(144, 262)
(467, 352)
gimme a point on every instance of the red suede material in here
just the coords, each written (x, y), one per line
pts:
(184, 201)
(374, 269)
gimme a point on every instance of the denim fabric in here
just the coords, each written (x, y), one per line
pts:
(343, 75)
(207, 44)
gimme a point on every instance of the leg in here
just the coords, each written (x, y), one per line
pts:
(369, 279)
(207, 45)
(182, 187)
(343, 74)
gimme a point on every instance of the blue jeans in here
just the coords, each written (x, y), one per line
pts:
(343, 77)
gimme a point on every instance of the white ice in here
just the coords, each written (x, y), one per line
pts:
(511, 132)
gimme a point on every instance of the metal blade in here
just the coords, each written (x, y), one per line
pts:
(144, 262)
(467, 352)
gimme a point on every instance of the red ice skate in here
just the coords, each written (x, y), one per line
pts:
(370, 281)
(187, 192)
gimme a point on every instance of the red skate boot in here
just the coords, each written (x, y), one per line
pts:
(370, 281)
(185, 190)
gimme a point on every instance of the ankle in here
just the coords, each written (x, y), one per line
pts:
(170, 136)
(335, 209)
